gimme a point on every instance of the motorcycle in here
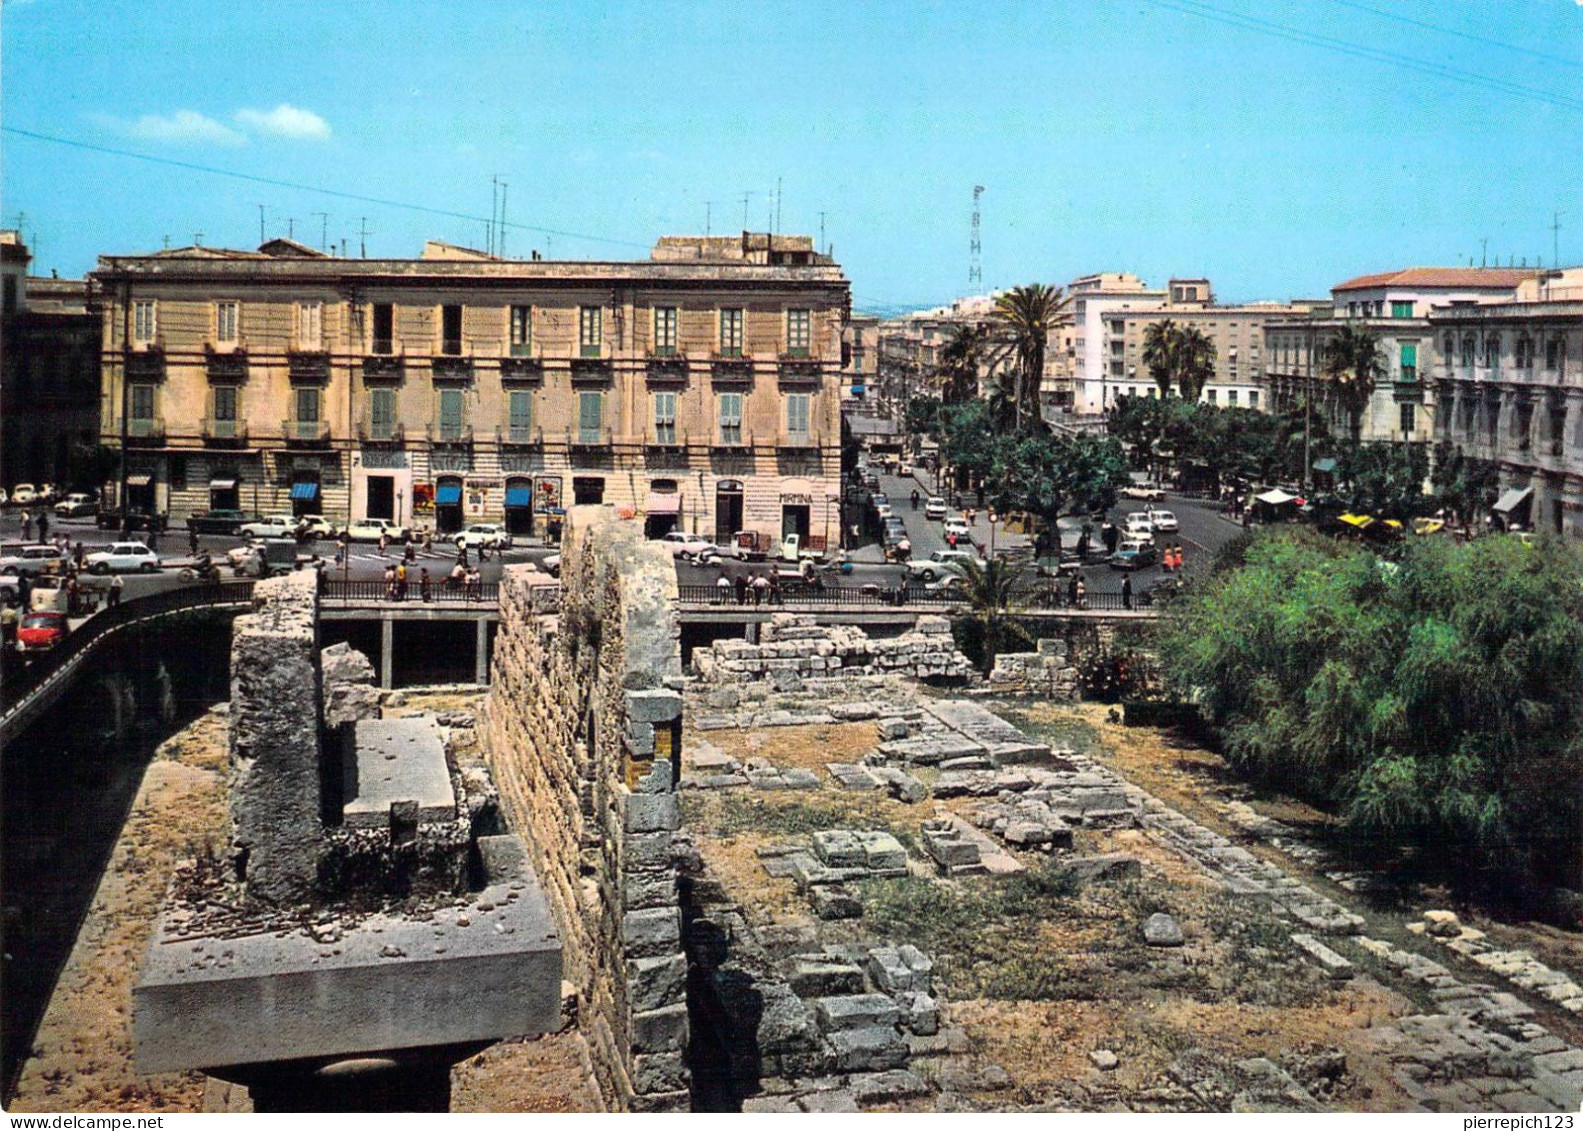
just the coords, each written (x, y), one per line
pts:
(203, 570)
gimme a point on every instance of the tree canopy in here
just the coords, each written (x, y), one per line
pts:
(1434, 703)
(1025, 315)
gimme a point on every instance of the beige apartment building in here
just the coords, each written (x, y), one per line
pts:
(698, 390)
(1509, 381)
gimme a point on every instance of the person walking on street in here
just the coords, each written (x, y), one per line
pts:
(722, 588)
(761, 587)
(384, 543)
(192, 541)
(116, 584)
(742, 589)
(390, 583)
(1082, 594)
(775, 589)
(1071, 589)
(1126, 591)
(914, 498)
(43, 525)
(401, 582)
(425, 594)
(27, 525)
(79, 553)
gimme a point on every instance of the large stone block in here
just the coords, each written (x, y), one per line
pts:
(653, 812)
(856, 1011)
(652, 932)
(660, 1030)
(653, 983)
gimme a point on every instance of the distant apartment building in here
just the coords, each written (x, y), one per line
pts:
(910, 346)
(1395, 306)
(699, 389)
(49, 375)
(1508, 378)
(859, 357)
(1098, 348)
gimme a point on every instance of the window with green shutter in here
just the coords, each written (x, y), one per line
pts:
(665, 330)
(731, 332)
(519, 406)
(731, 418)
(450, 414)
(1409, 361)
(590, 330)
(665, 418)
(798, 332)
(381, 413)
(521, 331)
(590, 417)
(1401, 310)
(797, 417)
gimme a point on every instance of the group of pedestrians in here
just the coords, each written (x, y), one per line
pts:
(29, 522)
(398, 580)
(1171, 558)
(756, 589)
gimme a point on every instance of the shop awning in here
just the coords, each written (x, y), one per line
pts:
(1326, 465)
(1513, 499)
(304, 492)
(139, 480)
(448, 495)
(663, 504)
(519, 496)
(1359, 520)
(1276, 497)
(222, 484)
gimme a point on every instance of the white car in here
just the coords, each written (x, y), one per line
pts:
(1137, 525)
(958, 526)
(123, 557)
(370, 529)
(1163, 521)
(311, 526)
(1143, 492)
(883, 510)
(77, 505)
(270, 526)
(943, 563)
(24, 494)
(552, 565)
(25, 561)
(935, 509)
(690, 547)
(490, 534)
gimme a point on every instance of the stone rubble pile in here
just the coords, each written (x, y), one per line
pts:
(1516, 966)
(1481, 1051)
(836, 858)
(1048, 672)
(958, 849)
(793, 645)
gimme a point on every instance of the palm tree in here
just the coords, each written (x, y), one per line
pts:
(1026, 314)
(988, 589)
(961, 359)
(1160, 342)
(1195, 362)
(1352, 366)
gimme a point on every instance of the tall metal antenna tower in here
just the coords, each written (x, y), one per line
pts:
(975, 249)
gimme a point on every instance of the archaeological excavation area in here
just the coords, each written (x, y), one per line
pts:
(816, 870)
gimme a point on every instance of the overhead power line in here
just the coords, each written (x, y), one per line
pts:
(384, 202)
(1469, 36)
(1346, 47)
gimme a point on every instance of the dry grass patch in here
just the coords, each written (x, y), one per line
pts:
(799, 747)
(546, 1073)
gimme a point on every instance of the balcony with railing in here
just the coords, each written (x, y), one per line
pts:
(224, 433)
(519, 436)
(521, 367)
(225, 365)
(453, 362)
(666, 446)
(666, 367)
(731, 442)
(591, 370)
(145, 363)
(797, 444)
(384, 361)
(799, 370)
(308, 364)
(728, 369)
(595, 441)
(305, 433)
(145, 431)
(450, 434)
(381, 433)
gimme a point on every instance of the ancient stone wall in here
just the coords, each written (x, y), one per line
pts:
(582, 732)
(794, 646)
(275, 698)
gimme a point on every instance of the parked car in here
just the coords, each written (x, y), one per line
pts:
(313, 526)
(27, 561)
(123, 557)
(1164, 522)
(271, 526)
(370, 529)
(879, 499)
(220, 522)
(1146, 492)
(942, 563)
(39, 632)
(690, 547)
(490, 534)
(935, 508)
(903, 468)
(77, 505)
(1134, 553)
(139, 519)
(24, 494)
(47, 493)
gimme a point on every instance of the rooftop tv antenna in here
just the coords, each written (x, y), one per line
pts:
(975, 248)
(324, 230)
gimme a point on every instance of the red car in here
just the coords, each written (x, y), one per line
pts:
(42, 631)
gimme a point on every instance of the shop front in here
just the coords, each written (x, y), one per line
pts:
(795, 516)
(662, 510)
(448, 505)
(588, 490)
(306, 495)
(728, 510)
(224, 494)
(519, 506)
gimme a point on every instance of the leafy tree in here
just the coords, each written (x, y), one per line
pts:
(1046, 475)
(1385, 479)
(1025, 314)
(1436, 704)
(1195, 362)
(968, 352)
(968, 440)
(1466, 484)
(1353, 364)
(989, 629)
(923, 416)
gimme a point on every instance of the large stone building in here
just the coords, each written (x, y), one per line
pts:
(1395, 306)
(700, 388)
(1509, 381)
(859, 357)
(49, 376)
(1096, 348)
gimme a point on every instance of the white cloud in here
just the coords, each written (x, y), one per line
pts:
(184, 127)
(286, 120)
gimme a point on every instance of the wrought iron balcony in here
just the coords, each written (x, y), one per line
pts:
(667, 368)
(225, 365)
(305, 433)
(509, 436)
(737, 443)
(308, 365)
(388, 434)
(797, 444)
(520, 367)
(800, 370)
(145, 432)
(731, 370)
(146, 364)
(224, 433)
(382, 365)
(666, 444)
(450, 435)
(591, 370)
(451, 367)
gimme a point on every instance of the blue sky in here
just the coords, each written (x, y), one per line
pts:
(1276, 147)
